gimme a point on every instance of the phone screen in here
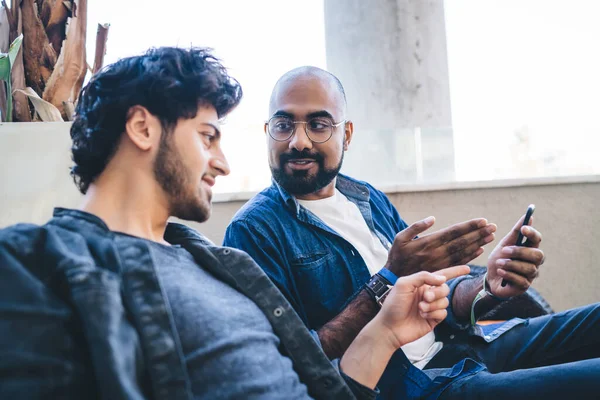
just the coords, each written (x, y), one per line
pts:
(528, 214)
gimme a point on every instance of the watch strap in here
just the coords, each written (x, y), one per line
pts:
(388, 275)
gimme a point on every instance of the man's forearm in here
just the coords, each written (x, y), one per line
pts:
(337, 334)
(463, 297)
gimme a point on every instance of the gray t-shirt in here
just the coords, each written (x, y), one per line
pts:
(229, 346)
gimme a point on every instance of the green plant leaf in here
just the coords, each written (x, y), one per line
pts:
(4, 67)
(13, 50)
(6, 62)
(5, 76)
(46, 111)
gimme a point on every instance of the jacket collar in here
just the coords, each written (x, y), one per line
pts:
(175, 233)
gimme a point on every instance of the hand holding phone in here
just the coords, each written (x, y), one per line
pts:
(520, 241)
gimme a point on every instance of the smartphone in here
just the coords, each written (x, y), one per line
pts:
(520, 241)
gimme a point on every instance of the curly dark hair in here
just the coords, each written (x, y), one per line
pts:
(171, 83)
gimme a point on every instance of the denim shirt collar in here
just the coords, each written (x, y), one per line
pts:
(352, 189)
(355, 191)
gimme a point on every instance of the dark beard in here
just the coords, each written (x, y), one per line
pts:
(171, 175)
(300, 182)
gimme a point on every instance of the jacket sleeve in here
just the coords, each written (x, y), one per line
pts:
(45, 349)
(38, 358)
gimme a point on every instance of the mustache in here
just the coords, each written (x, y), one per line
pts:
(295, 154)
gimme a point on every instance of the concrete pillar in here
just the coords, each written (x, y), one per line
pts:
(392, 60)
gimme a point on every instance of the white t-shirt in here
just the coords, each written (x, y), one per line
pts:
(344, 217)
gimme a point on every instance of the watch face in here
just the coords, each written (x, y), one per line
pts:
(378, 286)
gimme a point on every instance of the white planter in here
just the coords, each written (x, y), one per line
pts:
(34, 171)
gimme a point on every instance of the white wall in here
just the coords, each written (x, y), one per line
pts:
(34, 178)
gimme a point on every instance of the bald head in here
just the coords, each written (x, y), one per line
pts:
(299, 77)
(308, 132)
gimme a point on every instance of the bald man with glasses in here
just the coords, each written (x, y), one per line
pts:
(335, 246)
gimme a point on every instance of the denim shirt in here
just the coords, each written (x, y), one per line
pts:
(83, 316)
(320, 272)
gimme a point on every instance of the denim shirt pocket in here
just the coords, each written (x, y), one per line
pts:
(316, 279)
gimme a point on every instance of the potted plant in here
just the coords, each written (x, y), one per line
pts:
(44, 65)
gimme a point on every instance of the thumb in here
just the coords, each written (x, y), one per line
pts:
(415, 229)
(511, 238)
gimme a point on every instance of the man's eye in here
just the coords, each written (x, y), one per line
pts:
(317, 124)
(208, 138)
(283, 126)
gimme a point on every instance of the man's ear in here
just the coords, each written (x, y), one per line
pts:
(348, 131)
(142, 128)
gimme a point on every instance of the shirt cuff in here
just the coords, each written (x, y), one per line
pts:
(360, 391)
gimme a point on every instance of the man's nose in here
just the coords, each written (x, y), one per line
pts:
(300, 140)
(218, 162)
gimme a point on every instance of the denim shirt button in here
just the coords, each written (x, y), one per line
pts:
(226, 251)
(487, 337)
(278, 312)
(451, 337)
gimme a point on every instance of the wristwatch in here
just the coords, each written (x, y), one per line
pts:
(378, 288)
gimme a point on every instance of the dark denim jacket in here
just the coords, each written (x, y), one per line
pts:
(81, 317)
(320, 272)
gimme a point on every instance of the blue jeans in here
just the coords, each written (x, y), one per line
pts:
(550, 357)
